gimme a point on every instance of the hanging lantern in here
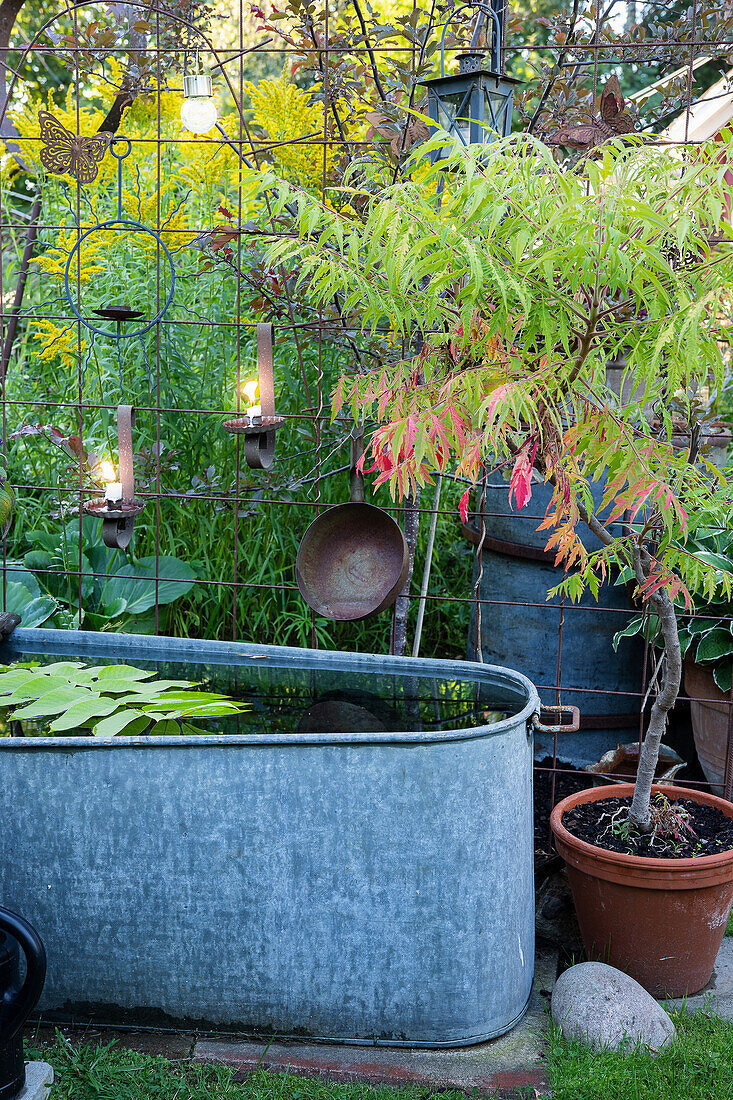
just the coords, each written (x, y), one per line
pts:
(474, 107)
(198, 110)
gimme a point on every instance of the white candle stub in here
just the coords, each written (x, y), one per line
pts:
(113, 492)
(253, 411)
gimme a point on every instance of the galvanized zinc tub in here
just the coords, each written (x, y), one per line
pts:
(370, 886)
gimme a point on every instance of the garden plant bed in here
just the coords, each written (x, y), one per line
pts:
(604, 824)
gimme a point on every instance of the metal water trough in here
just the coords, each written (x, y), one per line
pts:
(371, 887)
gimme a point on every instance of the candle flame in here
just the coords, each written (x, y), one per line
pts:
(250, 390)
(107, 470)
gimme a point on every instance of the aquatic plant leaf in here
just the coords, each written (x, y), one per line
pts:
(195, 697)
(211, 710)
(125, 673)
(167, 728)
(36, 688)
(56, 702)
(111, 699)
(85, 675)
(66, 668)
(82, 713)
(13, 679)
(126, 721)
(159, 687)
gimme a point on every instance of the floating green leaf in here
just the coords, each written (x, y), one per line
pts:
(111, 699)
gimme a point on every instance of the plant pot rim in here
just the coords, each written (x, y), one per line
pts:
(639, 867)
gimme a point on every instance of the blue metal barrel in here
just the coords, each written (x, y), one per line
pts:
(520, 628)
(371, 887)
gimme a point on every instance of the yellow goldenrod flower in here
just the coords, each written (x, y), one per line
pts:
(286, 113)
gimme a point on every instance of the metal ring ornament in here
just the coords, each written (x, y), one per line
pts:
(117, 140)
(139, 227)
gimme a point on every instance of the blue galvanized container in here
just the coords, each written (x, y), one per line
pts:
(370, 886)
(520, 627)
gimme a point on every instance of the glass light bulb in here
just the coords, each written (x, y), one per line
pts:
(199, 113)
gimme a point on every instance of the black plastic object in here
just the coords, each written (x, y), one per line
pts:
(17, 999)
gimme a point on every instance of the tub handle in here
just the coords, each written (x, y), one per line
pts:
(572, 727)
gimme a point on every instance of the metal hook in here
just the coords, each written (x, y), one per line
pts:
(482, 9)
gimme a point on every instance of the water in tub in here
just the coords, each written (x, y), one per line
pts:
(301, 700)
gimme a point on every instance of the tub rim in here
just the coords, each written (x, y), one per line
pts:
(77, 643)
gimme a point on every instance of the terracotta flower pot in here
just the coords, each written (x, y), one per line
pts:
(709, 709)
(660, 920)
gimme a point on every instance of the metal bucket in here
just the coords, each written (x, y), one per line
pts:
(520, 628)
(372, 887)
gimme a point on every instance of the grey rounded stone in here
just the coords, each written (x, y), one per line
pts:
(605, 1008)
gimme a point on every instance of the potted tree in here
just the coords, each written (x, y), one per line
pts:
(522, 282)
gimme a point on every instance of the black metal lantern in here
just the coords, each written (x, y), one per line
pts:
(474, 107)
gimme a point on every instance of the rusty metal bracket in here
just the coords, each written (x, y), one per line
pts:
(118, 521)
(572, 727)
(259, 433)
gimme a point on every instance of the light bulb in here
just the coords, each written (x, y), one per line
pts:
(199, 114)
(198, 110)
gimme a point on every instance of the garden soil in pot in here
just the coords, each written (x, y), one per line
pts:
(661, 920)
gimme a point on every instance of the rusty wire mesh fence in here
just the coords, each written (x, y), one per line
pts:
(142, 282)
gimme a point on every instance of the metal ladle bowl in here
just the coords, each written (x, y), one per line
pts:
(353, 560)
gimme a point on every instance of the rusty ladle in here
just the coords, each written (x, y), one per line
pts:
(353, 560)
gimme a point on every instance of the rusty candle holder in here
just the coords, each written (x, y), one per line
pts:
(118, 518)
(259, 431)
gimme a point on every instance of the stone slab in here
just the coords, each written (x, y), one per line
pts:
(717, 996)
(38, 1080)
(499, 1067)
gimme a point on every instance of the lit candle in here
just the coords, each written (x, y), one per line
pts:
(250, 392)
(113, 492)
(107, 470)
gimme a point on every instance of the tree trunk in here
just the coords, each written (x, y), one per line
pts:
(661, 601)
(640, 812)
(412, 529)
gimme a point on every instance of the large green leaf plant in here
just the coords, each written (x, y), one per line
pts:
(118, 590)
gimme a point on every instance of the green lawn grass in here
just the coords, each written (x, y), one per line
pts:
(96, 1071)
(729, 929)
(697, 1066)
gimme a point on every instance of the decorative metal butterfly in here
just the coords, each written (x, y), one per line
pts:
(66, 153)
(615, 119)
